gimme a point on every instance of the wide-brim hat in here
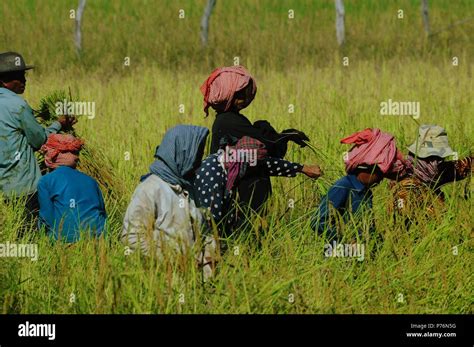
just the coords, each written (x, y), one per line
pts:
(12, 61)
(432, 141)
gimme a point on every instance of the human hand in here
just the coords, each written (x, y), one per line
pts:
(67, 122)
(297, 136)
(312, 171)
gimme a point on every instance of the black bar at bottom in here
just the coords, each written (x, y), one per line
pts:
(393, 330)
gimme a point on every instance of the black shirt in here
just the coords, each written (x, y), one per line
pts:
(237, 125)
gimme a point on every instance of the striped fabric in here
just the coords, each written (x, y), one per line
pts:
(220, 87)
(237, 168)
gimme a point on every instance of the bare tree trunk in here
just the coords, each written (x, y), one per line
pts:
(78, 34)
(424, 12)
(205, 21)
(340, 30)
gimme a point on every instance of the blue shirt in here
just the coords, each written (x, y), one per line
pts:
(70, 202)
(348, 195)
(20, 136)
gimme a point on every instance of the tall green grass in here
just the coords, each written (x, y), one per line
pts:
(260, 33)
(279, 266)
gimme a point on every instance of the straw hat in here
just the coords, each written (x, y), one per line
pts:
(432, 141)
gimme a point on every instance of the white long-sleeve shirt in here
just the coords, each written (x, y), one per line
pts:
(164, 214)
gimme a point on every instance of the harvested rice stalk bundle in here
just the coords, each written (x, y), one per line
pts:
(93, 161)
(47, 113)
(54, 106)
(320, 153)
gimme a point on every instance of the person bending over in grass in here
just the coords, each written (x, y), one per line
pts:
(221, 172)
(373, 158)
(428, 170)
(70, 201)
(228, 90)
(162, 216)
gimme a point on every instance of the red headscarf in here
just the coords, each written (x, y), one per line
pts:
(58, 150)
(374, 147)
(220, 87)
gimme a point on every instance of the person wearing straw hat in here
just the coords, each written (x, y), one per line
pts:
(428, 169)
(20, 134)
(432, 141)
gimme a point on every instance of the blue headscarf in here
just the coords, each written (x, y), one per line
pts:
(177, 153)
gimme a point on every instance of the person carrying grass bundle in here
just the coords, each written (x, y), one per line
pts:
(373, 158)
(20, 134)
(162, 217)
(220, 173)
(427, 171)
(228, 90)
(70, 201)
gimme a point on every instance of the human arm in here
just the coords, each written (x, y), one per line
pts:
(238, 126)
(35, 134)
(281, 167)
(455, 170)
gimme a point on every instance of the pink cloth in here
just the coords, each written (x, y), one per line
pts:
(374, 147)
(220, 87)
(426, 170)
(248, 148)
(61, 150)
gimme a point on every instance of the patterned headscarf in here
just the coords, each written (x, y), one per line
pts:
(427, 169)
(237, 167)
(61, 150)
(373, 147)
(220, 87)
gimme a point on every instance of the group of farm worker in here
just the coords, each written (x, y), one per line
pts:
(183, 196)
(63, 197)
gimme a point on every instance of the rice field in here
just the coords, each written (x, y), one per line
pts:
(278, 267)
